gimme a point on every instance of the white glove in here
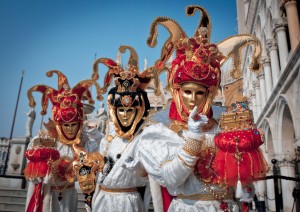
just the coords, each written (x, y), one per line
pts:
(195, 122)
(195, 126)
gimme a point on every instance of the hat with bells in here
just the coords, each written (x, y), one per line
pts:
(129, 90)
(197, 60)
(67, 102)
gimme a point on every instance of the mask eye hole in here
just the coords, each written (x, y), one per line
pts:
(200, 92)
(187, 92)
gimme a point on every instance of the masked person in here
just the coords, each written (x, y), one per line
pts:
(128, 107)
(50, 154)
(181, 157)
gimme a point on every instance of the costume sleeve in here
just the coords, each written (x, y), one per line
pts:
(91, 139)
(160, 151)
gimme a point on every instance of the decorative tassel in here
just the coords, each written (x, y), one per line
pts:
(239, 190)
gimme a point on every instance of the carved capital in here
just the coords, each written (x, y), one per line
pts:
(252, 94)
(271, 44)
(287, 3)
(265, 60)
(261, 76)
(286, 158)
(255, 84)
(279, 24)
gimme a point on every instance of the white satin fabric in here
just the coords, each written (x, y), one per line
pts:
(160, 150)
(69, 196)
(119, 178)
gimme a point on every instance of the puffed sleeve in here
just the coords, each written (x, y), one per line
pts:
(160, 151)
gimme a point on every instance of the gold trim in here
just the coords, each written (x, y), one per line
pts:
(63, 187)
(187, 165)
(118, 190)
(206, 197)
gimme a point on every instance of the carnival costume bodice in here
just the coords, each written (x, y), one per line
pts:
(161, 153)
(118, 184)
(116, 152)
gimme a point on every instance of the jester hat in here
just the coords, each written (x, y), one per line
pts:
(66, 102)
(129, 90)
(197, 60)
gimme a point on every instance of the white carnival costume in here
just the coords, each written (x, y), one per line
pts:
(51, 153)
(181, 158)
(119, 189)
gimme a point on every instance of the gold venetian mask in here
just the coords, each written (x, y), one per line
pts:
(126, 115)
(70, 129)
(86, 179)
(193, 94)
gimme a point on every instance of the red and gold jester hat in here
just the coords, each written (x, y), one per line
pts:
(129, 91)
(67, 103)
(198, 60)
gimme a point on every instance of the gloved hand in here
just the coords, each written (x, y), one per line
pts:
(195, 122)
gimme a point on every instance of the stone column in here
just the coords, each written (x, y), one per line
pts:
(270, 193)
(272, 47)
(261, 190)
(279, 28)
(293, 21)
(268, 76)
(261, 78)
(286, 164)
(255, 84)
(253, 104)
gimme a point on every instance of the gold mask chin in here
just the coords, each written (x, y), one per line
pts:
(126, 115)
(193, 94)
(69, 132)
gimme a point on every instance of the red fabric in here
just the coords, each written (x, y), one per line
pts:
(251, 165)
(203, 67)
(245, 207)
(239, 156)
(63, 169)
(36, 201)
(245, 140)
(167, 198)
(38, 161)
(42, 154)
(67, 107)
(36, 169)
(205, 166)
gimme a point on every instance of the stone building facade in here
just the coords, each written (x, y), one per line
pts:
(275, 91)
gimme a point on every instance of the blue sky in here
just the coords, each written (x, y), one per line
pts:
(41, 35)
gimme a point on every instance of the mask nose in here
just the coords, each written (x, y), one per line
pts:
(193, 98)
